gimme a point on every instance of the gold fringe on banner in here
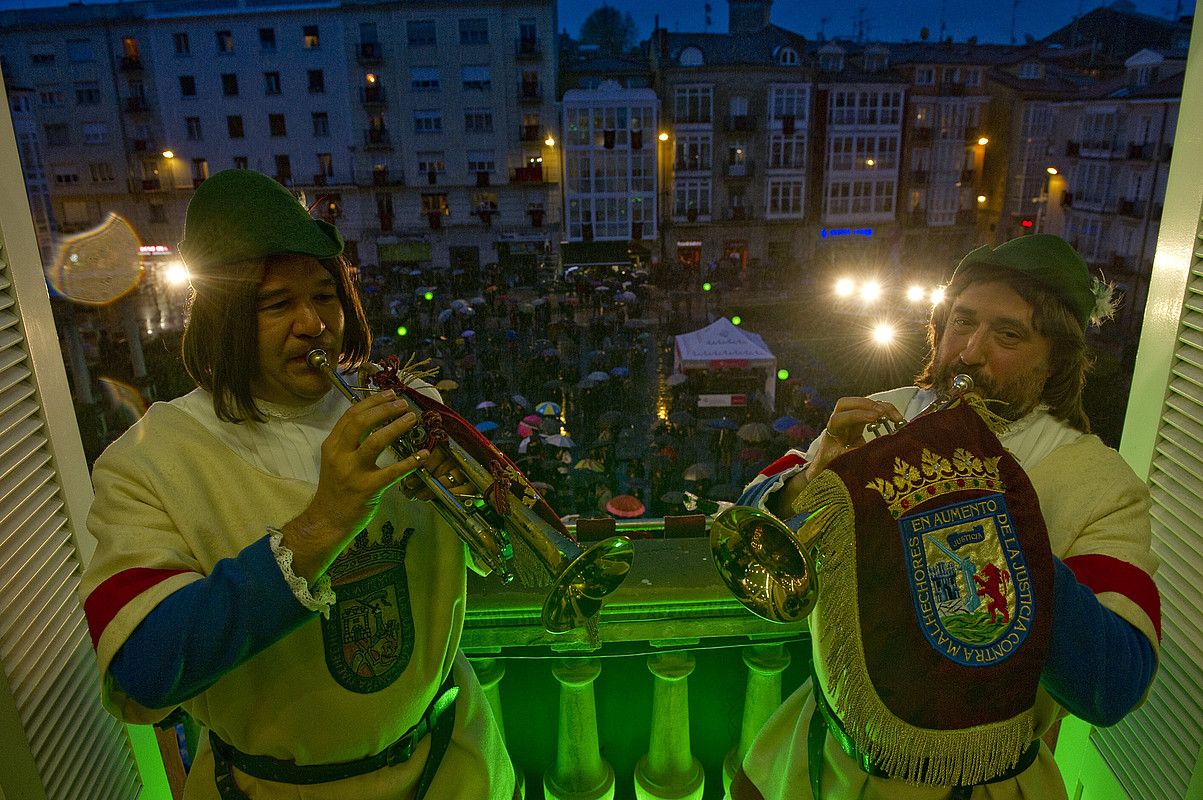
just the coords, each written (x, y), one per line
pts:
(953, 757)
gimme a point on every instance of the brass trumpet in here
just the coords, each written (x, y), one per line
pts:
(580, 578)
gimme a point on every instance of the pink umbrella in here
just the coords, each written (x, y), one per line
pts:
(624, 505)
(532, 419)
(525, 430)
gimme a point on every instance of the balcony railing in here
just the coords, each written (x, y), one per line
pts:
(529, 133)
(131, 64)
(1129, 208)
(1140, 151)
(371, 95)
(377, 139)
(741, 122)
(1072, 148)
(672, 623)
(527, 175)
(370, 53)
(530, 92)
(527, 49)
(741, 170)
(923, 134)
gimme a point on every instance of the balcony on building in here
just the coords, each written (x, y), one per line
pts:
(923, 134)
(949, 89)
(151, 184)
(530, 133)
(377, 139)
(372, 96)
(735, 213)
(1067, 199)
(1072, 148)
(131, 64)
(527, 49)
(386, 176)
(741, 122)
(136, 105)
(1105, 147)
(369, 53)
(528, 174)
(743, 169)
(530, 91)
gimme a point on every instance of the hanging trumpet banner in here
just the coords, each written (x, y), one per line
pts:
(932, 626)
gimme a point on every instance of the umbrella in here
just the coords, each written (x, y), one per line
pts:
(559, 440)
(520, 401)
(477, 301)
(782, 424)
(672, 498)
(591, 464)
(698, 472)
(446, 385)
(676, 379)
(486, 426)
(598, 375)
(754, 432)
(525, 430)
(624, 505)
(627, 297)
(680, 418)
(532, 419)
(620, 372)
(586, 383)
(548, 409)
(751, 454)
(468, 334)
(444, 315)
(483, 404)
(722, 424)
(800, 432)
(524, 444)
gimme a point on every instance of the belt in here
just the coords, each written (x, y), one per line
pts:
(440, 710)
(824, 721)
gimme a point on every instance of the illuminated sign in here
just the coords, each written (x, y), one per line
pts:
(154, 250)
(828, 232)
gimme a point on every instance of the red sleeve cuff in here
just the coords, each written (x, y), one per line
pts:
(1109, 574)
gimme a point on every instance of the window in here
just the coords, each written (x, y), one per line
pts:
(310, 38)
(187, 86)
(474, 31)
(193, 126)
(692, 198)
(478, 120)
(271, 83)
(317, 81)
(95, 132)
(51, 98)
(691, 57)
(693, 104)
(973, 77)
(787, 57)
(182, 46)
(528, 35)
(476, 78)
(79, 51)
(87, 93)
(57, 134)
(321, 123)
(925, 76)
(484, 201)
(481, 161)
(424, 79)
(785, 197)
(225, 42)
(283, 169)
(428, 121)
(229, 84)
(275, 124)
(787, 152)
(420, 33)
(234, 127)
(1031, 72)
(431, 161)
(241, 162)
(41, 54)
(436, 204)
(267, 40)
(65, 174)
(325, 164)
(200, 170)
(788, 100)
(693, 152)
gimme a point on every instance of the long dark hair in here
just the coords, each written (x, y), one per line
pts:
(1070, 359)
(220, 346)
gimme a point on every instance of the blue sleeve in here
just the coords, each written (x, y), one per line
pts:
(207, 628)
(1099, 666)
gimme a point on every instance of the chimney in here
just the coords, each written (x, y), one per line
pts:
(748, 16)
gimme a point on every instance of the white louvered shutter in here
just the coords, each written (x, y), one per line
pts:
(58, 741)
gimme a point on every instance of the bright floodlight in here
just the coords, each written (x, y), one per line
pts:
(981, 198)
(663, 137)
(870, 291)
(1051, 170)
(883, 333)
(176, 273)
(937, 295)
(916, 293)
(550, 141)
(844, 287)
(983, 141)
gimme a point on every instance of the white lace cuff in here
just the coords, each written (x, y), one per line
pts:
(318, 597)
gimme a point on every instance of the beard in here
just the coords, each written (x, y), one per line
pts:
(1013, 398)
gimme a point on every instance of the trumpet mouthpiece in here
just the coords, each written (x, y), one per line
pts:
(316, 358)
(962, 383)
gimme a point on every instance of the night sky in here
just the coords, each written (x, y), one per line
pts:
(888, 20)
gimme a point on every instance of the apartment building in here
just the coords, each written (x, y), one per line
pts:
(420, 130)
(736, 110)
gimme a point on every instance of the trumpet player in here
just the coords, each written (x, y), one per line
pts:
(258, 564)
(1013, 319)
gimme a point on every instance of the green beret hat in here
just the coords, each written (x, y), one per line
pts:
(1051, 261)
(239, 214)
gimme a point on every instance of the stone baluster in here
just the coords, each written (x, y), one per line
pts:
(762, 696)
(669, 771)
(580, 773)
(490, 671)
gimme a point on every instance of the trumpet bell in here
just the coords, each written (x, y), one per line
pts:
(767, 569)
(578, 591)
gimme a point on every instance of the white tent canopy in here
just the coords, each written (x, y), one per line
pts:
(723, 345)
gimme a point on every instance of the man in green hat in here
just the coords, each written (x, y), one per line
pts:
(257, 564)
(1013, 319)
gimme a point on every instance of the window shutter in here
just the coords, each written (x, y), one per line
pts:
(60, 744)
(1153, 751)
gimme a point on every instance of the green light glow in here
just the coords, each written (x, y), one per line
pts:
(428, 296)
(782, 374)
(706, 286)
(402, 330)
(737, 319)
